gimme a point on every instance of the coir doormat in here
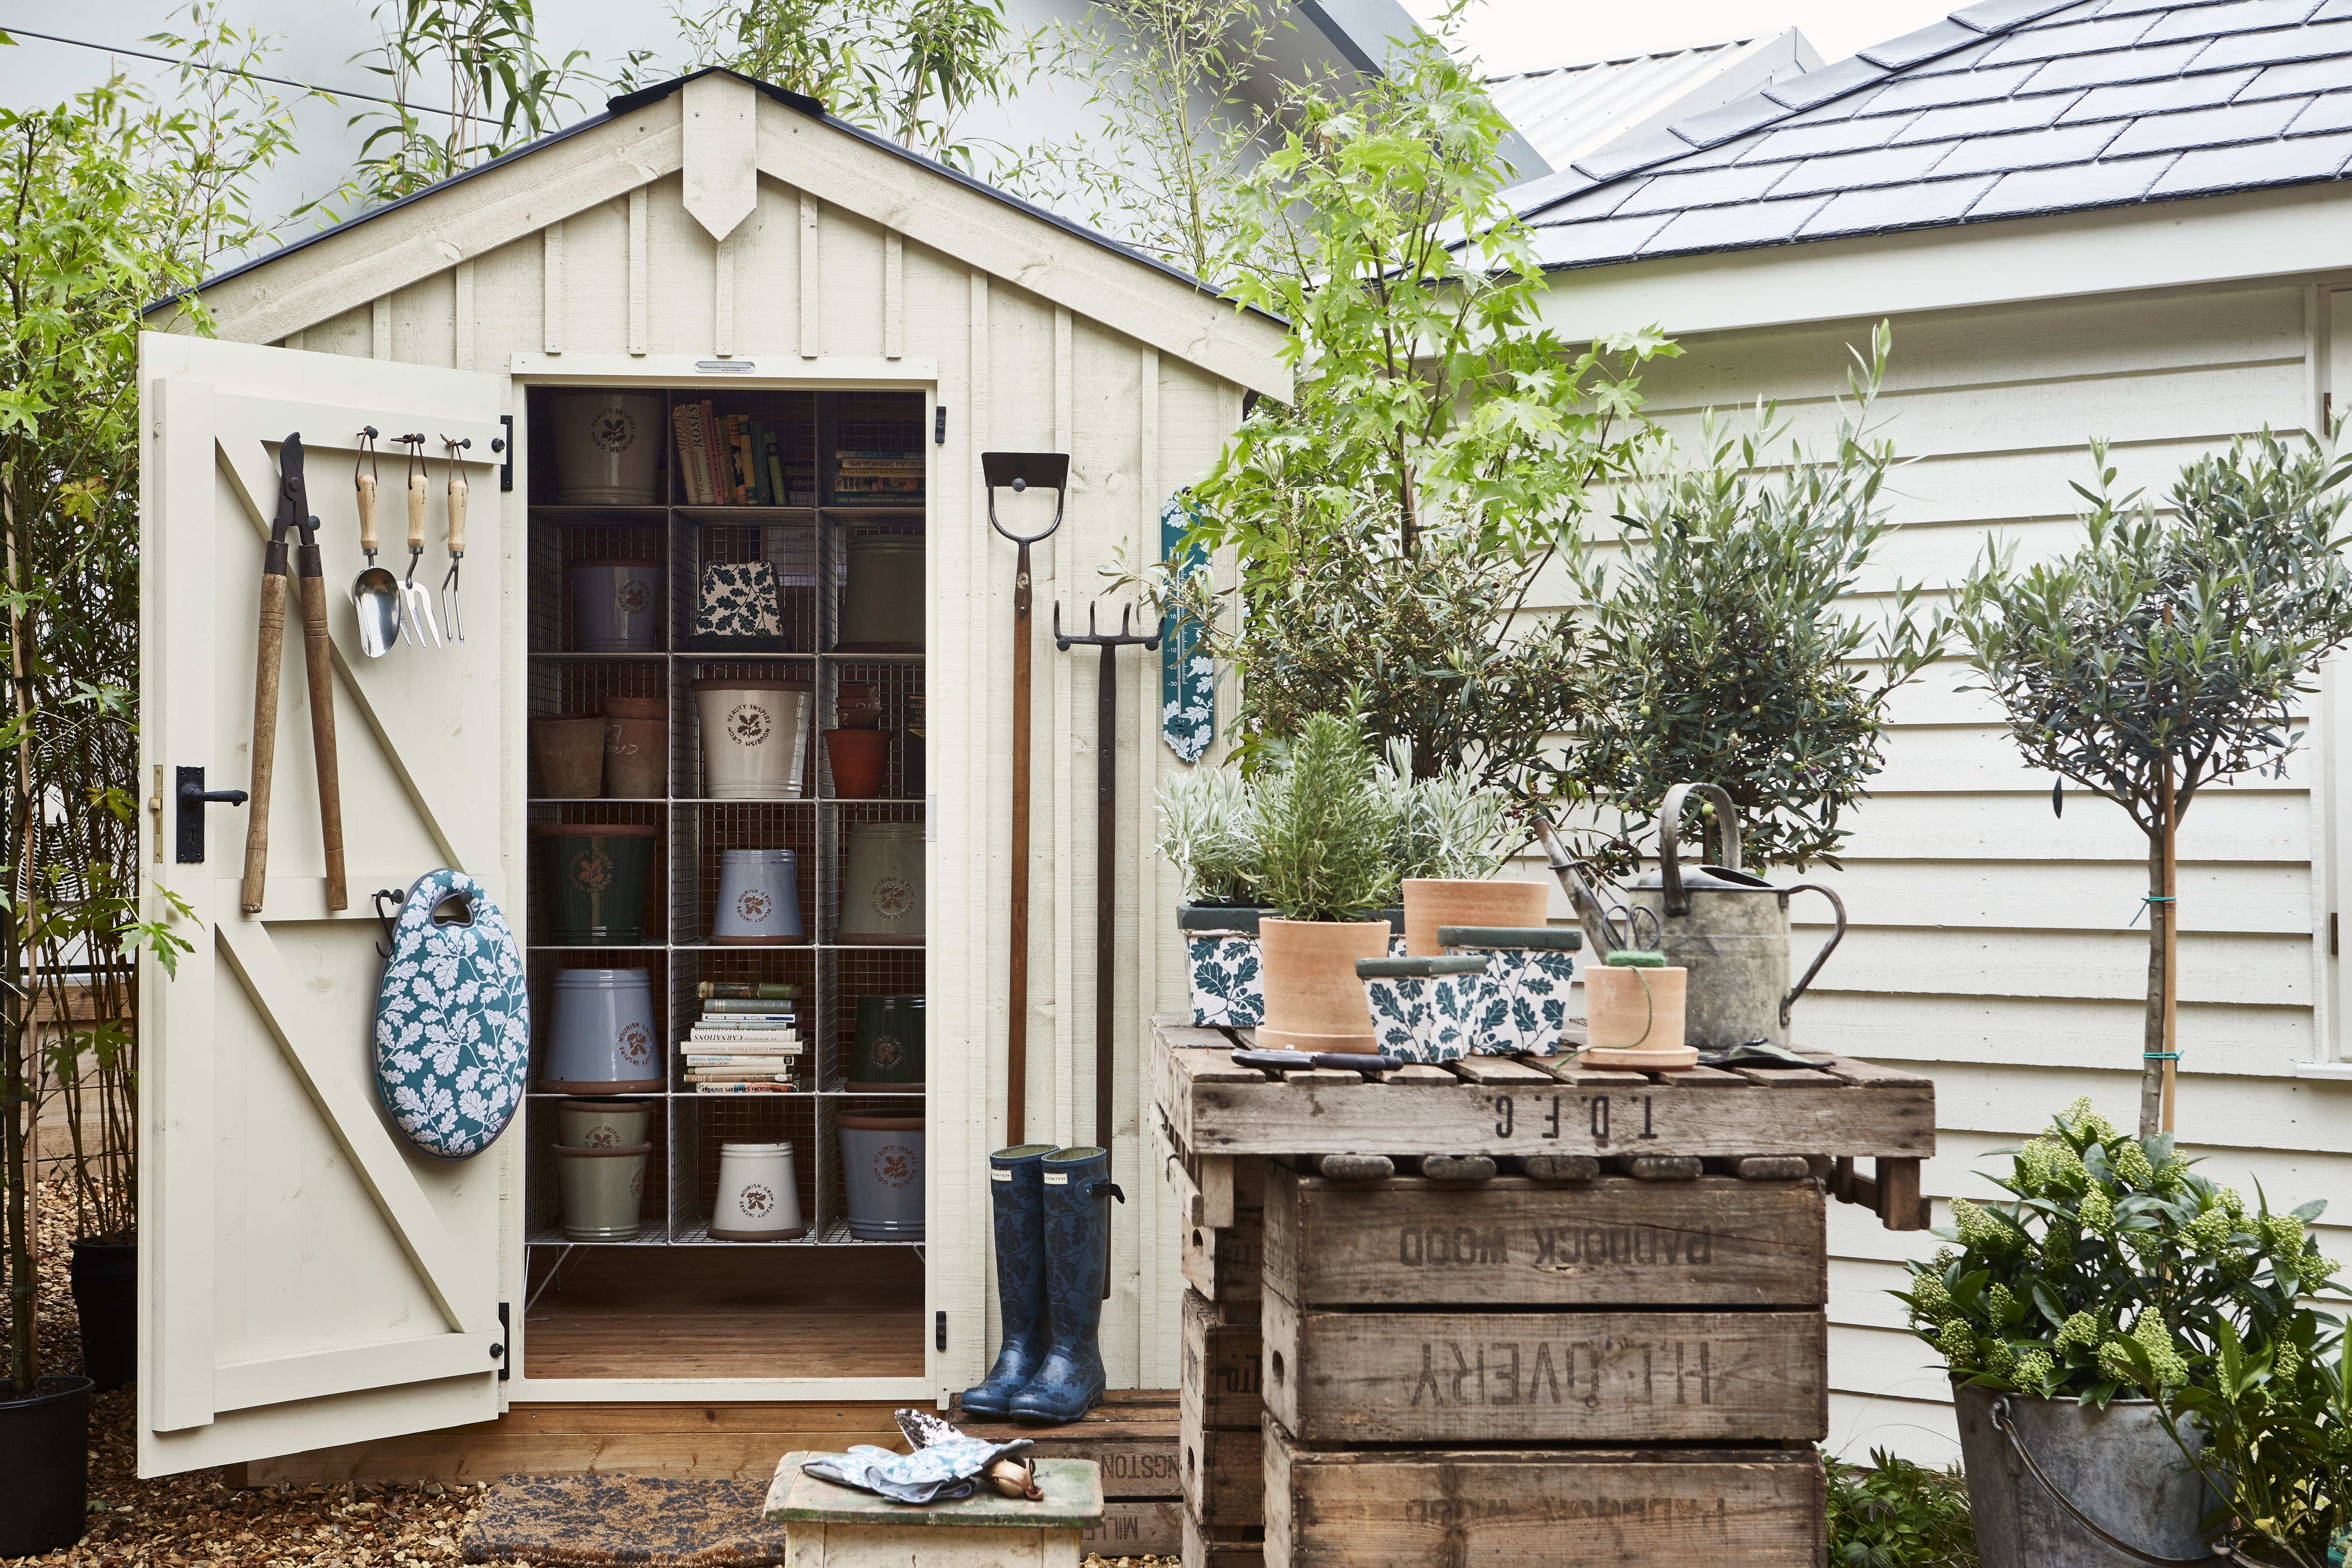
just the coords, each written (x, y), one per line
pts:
(595, 1521)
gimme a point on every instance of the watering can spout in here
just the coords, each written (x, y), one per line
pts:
(1590, 914)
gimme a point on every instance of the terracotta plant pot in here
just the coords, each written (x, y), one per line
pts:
(1313, 1000)
(636, 747)
(857, 707)
(1431, 901)
(1633, 1018)
(857, 757)
(569, 749)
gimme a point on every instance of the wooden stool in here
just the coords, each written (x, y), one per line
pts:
(830, 1526)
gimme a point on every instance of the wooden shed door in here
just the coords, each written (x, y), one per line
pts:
(305, 1278)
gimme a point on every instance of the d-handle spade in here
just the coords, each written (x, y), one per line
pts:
(375, 593)
(415, 603)
(1017, 471)
(450, 610)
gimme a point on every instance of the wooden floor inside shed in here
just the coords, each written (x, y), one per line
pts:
(721, 1312)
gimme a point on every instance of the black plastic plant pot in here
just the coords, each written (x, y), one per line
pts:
(44, 1457)
(1242, 917)
(105, 1277)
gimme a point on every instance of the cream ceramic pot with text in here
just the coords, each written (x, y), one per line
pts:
(754, 737)
(608, 447)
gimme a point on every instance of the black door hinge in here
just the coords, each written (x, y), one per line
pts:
(498, 1351)
(940, 426)
(506, 446)
(939, 1332)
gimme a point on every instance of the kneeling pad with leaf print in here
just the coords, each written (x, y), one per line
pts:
(452, 1021)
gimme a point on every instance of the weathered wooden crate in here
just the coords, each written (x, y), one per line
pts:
(1136, 1527)
(1131, 1437)
(1219, 1440)
(1625, 1508)
(1213, 1546)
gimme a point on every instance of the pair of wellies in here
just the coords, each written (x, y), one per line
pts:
(1052, 1209)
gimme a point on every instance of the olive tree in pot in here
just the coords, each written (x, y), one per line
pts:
(2077, 1317)
(1451, 839)
(1325, 834)
(2166, 653)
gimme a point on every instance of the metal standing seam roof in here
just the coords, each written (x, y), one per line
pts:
(1570, 112)
(2007, 109)
(630, 103)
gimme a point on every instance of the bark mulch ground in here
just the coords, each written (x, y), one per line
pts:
(198, 1520)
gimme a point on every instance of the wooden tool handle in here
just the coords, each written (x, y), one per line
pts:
(367, 514)
(456, 511)
(416, 512)
(1016, 933)
(267, 664)
(319, 667)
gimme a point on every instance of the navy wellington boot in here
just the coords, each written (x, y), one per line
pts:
(1018, 1201)
(1069, 1382)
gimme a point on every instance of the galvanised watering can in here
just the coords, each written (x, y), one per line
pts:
(1728, 928)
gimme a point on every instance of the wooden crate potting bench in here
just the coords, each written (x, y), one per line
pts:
(1513, 1306)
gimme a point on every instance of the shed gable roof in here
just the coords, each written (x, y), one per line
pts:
(638, 139)
(2006, 108)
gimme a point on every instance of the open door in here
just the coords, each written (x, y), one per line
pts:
(305, 1278)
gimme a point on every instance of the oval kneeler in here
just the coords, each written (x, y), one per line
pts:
(452, 1020)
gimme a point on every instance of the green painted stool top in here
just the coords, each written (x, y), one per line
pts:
(1073, 1500)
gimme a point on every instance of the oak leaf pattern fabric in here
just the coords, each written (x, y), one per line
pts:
(452, 1021)
(1422, 1019)
(739, 600)
(1522, 1001)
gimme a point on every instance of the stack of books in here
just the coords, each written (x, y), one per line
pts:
(747, 1040)
(875, 478)
(732, 460)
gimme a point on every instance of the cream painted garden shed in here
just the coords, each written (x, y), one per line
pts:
(307, 1280)
(2125, 219)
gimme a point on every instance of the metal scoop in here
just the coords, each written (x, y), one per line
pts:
(415, 599)
(375, 593)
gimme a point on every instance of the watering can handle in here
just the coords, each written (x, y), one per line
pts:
(1828, 947)
(1670, 861)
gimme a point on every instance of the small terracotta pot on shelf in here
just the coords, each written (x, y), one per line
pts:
(1313, 1000)
(636, 747)
(1633, 1018)
(1434, 902)
(858, 759)
(857, 706)
(569, 751)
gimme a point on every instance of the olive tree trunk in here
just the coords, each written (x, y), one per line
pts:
(2152, 1048)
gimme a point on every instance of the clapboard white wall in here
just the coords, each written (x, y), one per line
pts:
(594, 252)
(1992, 944)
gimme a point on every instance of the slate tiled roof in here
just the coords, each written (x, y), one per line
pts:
(1567, 112)
(2007, 109)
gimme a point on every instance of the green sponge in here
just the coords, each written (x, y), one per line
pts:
(1624, 958)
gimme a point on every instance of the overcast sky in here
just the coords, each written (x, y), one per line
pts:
(1521, 35)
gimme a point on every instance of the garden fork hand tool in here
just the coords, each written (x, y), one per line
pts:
(450, 609)
(1018, 471)
(1106, 840)
(293, 515)
(416, 604)
(375, 593)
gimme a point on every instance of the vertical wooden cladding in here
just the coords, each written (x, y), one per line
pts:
(1513, 1242)
(1655, 1508)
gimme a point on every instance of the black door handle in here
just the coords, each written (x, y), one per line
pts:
(194, 798)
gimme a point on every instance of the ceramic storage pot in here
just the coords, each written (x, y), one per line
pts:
(882, 607)
(605, 1039)
(600, 1124)
(1633, 1018)
(887, 1057)
(882, 885)
(1222, 967)
(603, 1191)
(1523, 1000)
(759, 1197)
(636, 747)
(569, 751)
(1431, 901)
(758, 899)
(617, 605)
(1313, 1000)
(608, 447)
(882, 1164)
(596, 875)
(754, 736)
(1422, 1007)
(858, 758)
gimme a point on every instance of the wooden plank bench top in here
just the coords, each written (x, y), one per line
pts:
(1073, 1501)
(1530, 1105)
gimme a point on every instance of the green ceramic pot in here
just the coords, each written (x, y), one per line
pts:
(603, 1191)
(887, 1057)
(595, 878)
